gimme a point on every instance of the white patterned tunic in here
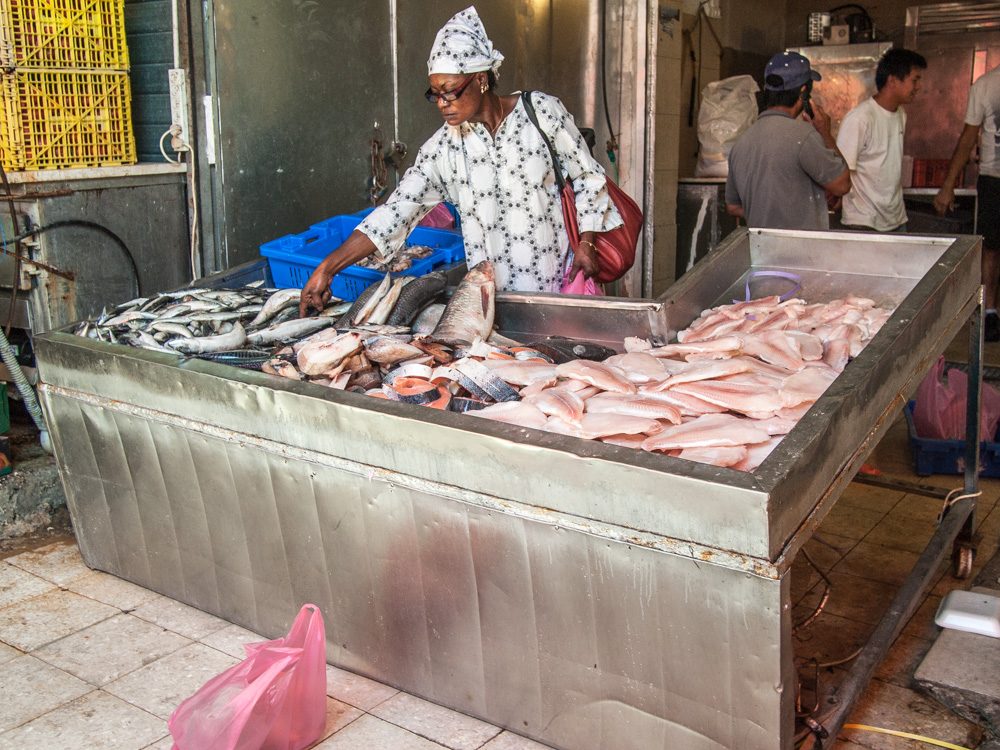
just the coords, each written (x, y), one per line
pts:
(506, 194)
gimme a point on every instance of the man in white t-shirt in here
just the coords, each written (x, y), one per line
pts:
(871, 142)
(982, 125)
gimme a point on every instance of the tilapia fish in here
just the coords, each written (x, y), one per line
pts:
(469, 313)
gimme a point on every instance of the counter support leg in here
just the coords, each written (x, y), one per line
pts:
(964, 547)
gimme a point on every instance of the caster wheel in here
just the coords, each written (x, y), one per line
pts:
(962, 562)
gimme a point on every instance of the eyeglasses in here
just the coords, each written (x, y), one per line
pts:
(448, 96)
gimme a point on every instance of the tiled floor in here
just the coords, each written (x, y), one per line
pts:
(91, 661)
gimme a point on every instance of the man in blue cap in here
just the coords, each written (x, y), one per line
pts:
(782, 168)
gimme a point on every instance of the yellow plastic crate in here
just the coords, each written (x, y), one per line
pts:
(53, 119)
(63, 34)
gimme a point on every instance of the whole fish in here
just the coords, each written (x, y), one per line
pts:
(469, 313)
(381, 311)
(365, 311)
(428, 318)
(275, 303)
(290, 330)
(225, 342)
(415, 296)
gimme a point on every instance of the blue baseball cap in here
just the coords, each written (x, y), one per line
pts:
(787, 71)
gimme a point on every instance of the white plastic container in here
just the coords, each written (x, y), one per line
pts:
(971, 611)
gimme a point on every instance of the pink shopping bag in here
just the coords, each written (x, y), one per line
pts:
(275, 699)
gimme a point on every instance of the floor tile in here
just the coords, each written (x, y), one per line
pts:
(59, 563)
(372, 733)
(43, 619)
(97, 720)
(110, 649)
(862, 495)
(900, 531)
(922, 624)
(850, 521)
(859, 599)
(877, 563)
(231, 640)
(338, 716)
(8, 652)
(437, 723)
(893, 707)
(830, 638)
(356, 690)
(31, 687)
(112, 590)
(190, 622)
(160, 687)
(17, 585)
(903, 659)
(919, 507)
(511, 741)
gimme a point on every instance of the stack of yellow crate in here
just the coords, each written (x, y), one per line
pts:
(66, 95)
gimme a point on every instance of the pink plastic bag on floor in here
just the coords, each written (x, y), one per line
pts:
(275, 699)
(940, 409)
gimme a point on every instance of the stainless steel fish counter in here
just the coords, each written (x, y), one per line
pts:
(582, 594)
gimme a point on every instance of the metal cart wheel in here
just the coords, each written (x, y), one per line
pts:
(962, 562)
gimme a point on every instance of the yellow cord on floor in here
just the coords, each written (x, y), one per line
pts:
(906, 735)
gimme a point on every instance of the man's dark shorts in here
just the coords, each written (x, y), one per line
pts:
(988, 215)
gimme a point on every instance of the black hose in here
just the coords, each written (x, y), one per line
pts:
(612, 143)
(96, 227)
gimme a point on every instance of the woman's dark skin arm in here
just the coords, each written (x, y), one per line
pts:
(316, 292)
(585, 257)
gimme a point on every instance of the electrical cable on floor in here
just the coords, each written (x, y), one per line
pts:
(906, 736)
(837, 662)
(828, 585)
(34, 231)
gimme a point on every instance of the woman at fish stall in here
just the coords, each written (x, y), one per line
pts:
(491, 162)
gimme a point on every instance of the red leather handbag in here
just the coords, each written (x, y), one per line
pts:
(615, 249)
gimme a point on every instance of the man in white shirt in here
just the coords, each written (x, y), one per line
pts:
(982, 126)
(871, 142)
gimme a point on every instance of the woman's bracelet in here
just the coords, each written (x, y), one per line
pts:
(588, 242)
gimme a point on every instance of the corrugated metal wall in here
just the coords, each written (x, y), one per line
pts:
(150, 44)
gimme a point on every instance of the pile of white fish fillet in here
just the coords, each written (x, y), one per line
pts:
(737, 381)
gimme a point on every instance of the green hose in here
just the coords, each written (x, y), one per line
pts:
(25, 389)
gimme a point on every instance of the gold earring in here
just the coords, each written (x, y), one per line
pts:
(482, 88)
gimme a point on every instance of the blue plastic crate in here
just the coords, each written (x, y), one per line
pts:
(937, 456)
(294, 257)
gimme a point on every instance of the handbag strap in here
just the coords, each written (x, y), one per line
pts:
(529, 109)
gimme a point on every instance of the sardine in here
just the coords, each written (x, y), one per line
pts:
(469, 313)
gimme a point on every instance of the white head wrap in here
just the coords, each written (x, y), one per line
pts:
(461, 46)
